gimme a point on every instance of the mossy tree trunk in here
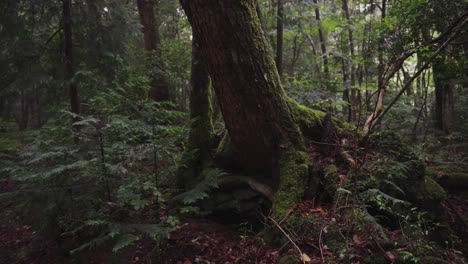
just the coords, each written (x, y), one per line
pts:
(197, 154)
(258, 115)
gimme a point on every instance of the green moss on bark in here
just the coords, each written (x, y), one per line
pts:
(293, 171)
(308, 120)
(196, 156)
(330, 180)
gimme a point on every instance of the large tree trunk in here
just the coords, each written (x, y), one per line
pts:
(259, 117)
(159, 90)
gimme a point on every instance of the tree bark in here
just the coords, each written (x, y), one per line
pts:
(380, 66)
(351, 67)
(352, 93)
(197, 155)
(68, 57)
(279, 38)
(443, 96)
(159, 90)
(322, 42)
(258, 115)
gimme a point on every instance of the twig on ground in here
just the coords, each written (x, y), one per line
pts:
(289, 238)
(321, 243)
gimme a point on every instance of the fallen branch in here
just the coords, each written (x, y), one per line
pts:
(321, 243)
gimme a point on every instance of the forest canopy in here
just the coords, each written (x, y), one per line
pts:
(233, 131)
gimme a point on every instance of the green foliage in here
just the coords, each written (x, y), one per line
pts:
(122, 235)
(210, 180)
(85, 179)
(84, 182)
(398, 173)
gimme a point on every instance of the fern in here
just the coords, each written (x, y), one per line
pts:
(57, 170)
(201, 191)
(124, 241)
(122, 235)
(378, 194)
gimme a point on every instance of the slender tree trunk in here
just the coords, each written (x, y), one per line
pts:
(68, 57)
(380, 67)
(450, 108)
(279, 38)
(322, 42)
(159, 90)
(23, 113)
(381, 83)
(351, 67)
(298, 43)
(311, 41)
(443, 109)
(418, 95)
(421, 110)
(317, 63)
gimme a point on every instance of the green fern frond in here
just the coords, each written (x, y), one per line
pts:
(58, 170)
(202, 189)
(388, 198)
(123, 241)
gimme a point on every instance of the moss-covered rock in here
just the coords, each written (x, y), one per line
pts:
(452, 178)
(429, 194)
(399, 173)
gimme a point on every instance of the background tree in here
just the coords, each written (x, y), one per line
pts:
(279, 38)
(159, 90)
(68, 56)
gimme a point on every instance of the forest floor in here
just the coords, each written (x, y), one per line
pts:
(204, 240)
(198, 240)
(20, 243)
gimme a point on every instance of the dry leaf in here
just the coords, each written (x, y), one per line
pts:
(390, 255)
(306, 258)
